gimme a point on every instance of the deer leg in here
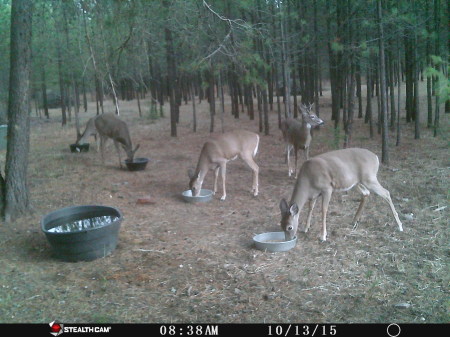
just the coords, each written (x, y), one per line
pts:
(288, 160)
(250, 162)
(102, 148)
(365, 193)
(296, 159)
(216, 174)
(223, 172)
(116, 144)
(326, 196)
(312, 203)
(306, 152)
(375, 187)
(97, 142)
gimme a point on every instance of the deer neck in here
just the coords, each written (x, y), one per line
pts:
(202, 167)
(300, 195)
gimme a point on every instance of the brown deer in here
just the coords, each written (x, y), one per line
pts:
(90, 130)
(297, 135)
(339, 171)
(108, 125)
(217, 152)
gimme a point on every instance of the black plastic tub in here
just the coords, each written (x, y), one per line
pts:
(138, 164)
(82, 233)
(79, 147)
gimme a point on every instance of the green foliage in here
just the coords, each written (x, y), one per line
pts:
(128, 37)
(337, 46)
(443, 83)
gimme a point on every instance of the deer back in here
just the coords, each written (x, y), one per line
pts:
(343, 168)
(108, 125)
(231, 144)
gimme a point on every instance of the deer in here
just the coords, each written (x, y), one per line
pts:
(90, 130)
(107, 126)
(339, 171)
(217, 152)
(297, 135)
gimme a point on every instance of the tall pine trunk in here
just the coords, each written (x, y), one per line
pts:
(383, 101)
(16, 190)
(172, 83)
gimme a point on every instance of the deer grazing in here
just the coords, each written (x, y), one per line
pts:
(297, 135)
(339, 171)
(109, 126)
(215, 154)
(90, 130)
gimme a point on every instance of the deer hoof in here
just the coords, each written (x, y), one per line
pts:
(223, 197)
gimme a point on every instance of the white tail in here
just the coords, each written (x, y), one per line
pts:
(109, 126)
(297, 135)
(215, 154)
(338, 170)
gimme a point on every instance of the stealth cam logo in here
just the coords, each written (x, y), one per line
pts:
(56, 328)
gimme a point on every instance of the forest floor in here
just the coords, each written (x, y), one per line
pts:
(181, 263)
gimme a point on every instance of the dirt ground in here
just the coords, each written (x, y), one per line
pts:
(178, 262)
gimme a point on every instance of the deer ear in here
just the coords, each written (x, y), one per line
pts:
(294, 209)
(284, 206)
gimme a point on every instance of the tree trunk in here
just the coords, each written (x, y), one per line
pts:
(212, 99)
(368, 116)
(84, 96)
(383, 102)
(285, 63)
(171, 66)
(44, 94)
(61, 88)
(316, 63)
(265, 110)
(16, 188)
(416, 82)
(194, 112)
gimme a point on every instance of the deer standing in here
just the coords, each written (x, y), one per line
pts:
(215, 154)
(339, 171)
(109, 126)
(297, 135)
(90, 130)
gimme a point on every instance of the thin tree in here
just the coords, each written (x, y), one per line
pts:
(383, 102)
(171, 76)
(15, 198)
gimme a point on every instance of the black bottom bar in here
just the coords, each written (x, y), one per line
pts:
(212, 329)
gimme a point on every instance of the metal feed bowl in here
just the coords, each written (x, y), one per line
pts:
(205, 195)
(273, 242)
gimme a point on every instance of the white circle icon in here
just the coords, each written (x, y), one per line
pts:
(393, 330)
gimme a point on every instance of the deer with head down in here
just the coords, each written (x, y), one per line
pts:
(338, 171)
(297, 135)
(107, 126)
(218, 151)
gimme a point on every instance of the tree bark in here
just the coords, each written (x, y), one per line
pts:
(44, 94)
(171, 66)
(383, 102)
(16, 181)
(212, 100)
